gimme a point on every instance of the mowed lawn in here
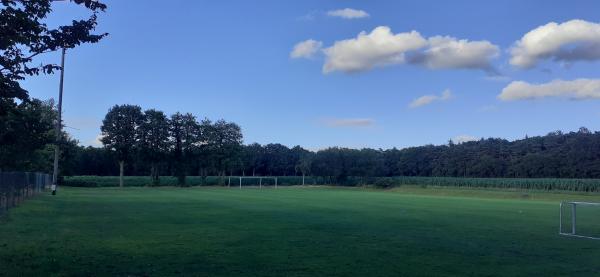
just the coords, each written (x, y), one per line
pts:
(292, 232)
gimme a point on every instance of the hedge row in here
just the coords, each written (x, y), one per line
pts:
(587, 185)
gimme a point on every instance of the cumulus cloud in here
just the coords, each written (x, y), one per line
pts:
(349, 122)
(382, 47)
(428, 99)
(570, 41)
(446, 52)
(306, 49)
(463, 138)
(379, 48)
(348, 13)
(578, 89)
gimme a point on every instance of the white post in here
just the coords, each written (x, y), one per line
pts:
(229, 182)
(560, 218)
(573, 218)
(260, 182)
(302, 179)
(240, 182)
(275, 182)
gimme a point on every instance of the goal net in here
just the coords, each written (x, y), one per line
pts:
(252, 181)
(580, 219)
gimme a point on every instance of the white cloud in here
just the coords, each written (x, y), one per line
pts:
(348, 13)
(382, 47)
(428, 99)
(446, 52)
(576, 89)
(349, 122)
(379, 48)
(463, 138)
(306, 49)
(569, 41)
(97, 142)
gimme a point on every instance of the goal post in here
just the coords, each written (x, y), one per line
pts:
(579, 219)
(260, 181)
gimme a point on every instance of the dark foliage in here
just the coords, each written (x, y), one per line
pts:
(24, 35)
(556, 155)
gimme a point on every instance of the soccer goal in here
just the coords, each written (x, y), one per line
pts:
(253, 181)
(580, 219)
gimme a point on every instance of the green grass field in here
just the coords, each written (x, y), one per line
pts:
(292, 231)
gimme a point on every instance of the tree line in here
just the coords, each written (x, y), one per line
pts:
(153, 144)
(180, 142)
(203, 153)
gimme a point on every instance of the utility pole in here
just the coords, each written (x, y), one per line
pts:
(58, 124)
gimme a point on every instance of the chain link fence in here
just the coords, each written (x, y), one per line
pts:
(15, 187)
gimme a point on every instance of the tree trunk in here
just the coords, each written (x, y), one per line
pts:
(152, 174)
(121, 167)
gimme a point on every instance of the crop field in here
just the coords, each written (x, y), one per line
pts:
(293, 231)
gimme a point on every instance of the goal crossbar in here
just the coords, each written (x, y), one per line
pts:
(260, 178)
(573, 232)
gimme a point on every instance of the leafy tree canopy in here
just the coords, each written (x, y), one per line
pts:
(24, 35)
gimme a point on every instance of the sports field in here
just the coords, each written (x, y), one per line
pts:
(292, 232)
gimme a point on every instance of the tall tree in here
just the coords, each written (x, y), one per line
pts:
(191, 138)
(185, 135)
(25, 130)
(176, 134)
(303, 161)
(23, 36)
(119, 133)
(153, 141)
(224, 143)
(204, 146)
(253, 157)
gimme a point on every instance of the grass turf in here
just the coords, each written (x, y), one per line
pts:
(292, 232)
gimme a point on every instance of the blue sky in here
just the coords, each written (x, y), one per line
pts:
(232, 60)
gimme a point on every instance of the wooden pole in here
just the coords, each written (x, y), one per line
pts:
(58, 131)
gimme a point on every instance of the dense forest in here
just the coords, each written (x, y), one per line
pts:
(557, 155)
(180, 145)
